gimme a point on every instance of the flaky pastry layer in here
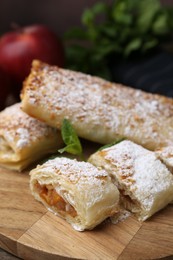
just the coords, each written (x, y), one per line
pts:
(76, 191)
(99, 110)
(24, 139)
(144, 182)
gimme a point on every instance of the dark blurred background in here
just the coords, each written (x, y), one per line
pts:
(153, 74)
(60, 15)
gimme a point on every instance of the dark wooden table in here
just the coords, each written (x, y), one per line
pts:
(7, 256)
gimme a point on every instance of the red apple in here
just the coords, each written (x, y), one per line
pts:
(4, 88)
(19, 47)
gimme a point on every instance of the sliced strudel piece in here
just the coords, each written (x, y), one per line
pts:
(144, 182)
(165, 154)
(99, 110)
(24, 139)
(76, 191)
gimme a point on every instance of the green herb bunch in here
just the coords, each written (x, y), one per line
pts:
(118, 30)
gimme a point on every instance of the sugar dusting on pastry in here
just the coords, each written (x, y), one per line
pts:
(21, 128)
(140, 169)
(110, 108)
(76, 172)
(81, 186)
(145, 183)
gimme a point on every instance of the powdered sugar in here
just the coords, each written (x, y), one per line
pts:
(165, 154)
(99, 110)
(144, 182)
(141, 171)
(23, 137)
(75, 171)
(87, 189)
(91, 183)
(19, 129)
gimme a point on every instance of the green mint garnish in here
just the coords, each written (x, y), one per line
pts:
(70, 138)
(111, 144)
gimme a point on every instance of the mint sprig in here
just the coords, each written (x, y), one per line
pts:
(111, 144)
(70, 138)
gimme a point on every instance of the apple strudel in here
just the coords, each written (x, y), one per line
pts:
(24, 139)
(99, 110)
(76, 191)
(165, 154)
(144, 182)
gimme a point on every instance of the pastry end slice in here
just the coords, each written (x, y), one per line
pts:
(76, 191)
(24, 140)
(144, 182)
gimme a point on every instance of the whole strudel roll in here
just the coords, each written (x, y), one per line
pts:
(76, 191)
(144, 182)
(99, 110)
(24, 139)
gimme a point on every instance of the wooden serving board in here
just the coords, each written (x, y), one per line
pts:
(29, 231)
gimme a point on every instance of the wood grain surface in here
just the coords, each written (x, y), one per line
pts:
(29, 231)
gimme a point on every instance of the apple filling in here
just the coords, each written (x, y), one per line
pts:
(52, 198)
(130, 204)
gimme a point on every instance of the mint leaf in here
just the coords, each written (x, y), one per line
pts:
(70, 138)
(160, 26)
(111, 144)
(87, 17)
(149, 44)
(99, 8)
(148, 11)
(132, 46)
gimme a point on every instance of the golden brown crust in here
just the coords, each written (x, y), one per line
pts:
(24, 139)
(99, 110)
(144, 182)
(76, 191)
